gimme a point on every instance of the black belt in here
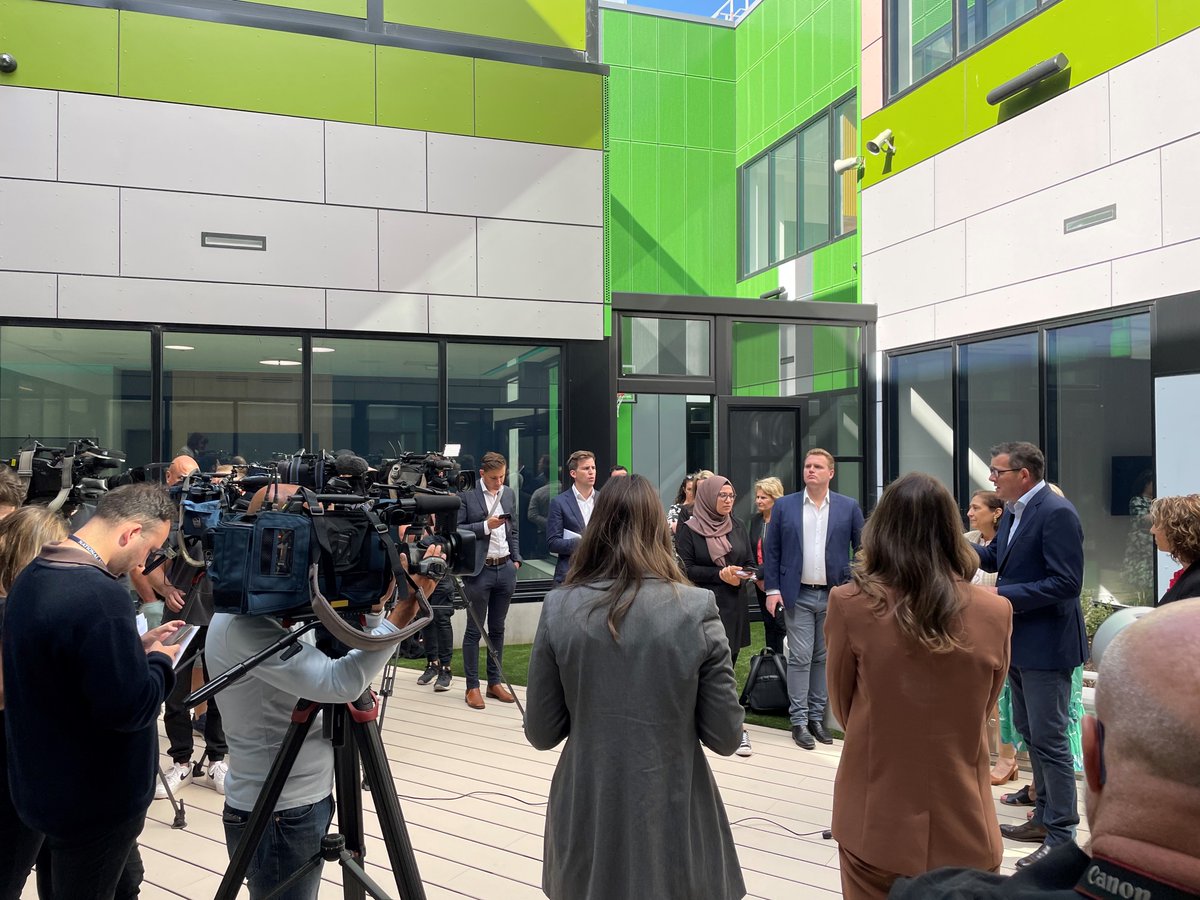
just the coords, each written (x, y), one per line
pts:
(815, 587)
(496, 560)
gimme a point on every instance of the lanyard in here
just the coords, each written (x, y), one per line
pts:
(86, 546)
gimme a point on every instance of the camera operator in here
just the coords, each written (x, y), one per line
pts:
(70, 634)
(257, 715)
(438, 634)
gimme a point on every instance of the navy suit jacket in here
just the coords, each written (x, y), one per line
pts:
(1040, 572)
(783, 546)
(475, 514)
(564, 516)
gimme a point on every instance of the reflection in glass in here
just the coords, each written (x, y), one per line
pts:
(783, 177)
(771, 359)
(666, 436)
(845, 123)
(985, 17)
(756, 215)
(652, 346)
(922, 40)
(999, 394)
(231, 394)
(923, 414)
(765, 445)
(375, 397)
(815, 172)
(59, 384)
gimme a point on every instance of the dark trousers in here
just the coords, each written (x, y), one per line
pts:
(774, 631)
(1041, 701)
(439, 634)
(490, 593)
(292, 838)
(18, 842)
(177, 719)
(101, 864)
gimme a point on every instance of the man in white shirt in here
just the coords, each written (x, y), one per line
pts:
(571, 510)
(491, 512)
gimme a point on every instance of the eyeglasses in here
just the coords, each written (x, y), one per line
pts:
(726, 495)
(994, 472)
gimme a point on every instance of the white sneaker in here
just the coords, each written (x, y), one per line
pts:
(178, 775)
(215, 776)
(744, 747)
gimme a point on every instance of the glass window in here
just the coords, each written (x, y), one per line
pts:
(1104, 462)
(999, 400)
(815, 175)
(650, 426)
(783, 180)
(985, 17)
(845, 123)
(923, 414)
(506, 398)
(756, 215)
(377, 398)
(60, 384)
(651, 346)
(228, 395)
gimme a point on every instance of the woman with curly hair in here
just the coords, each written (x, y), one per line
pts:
(1175, 524)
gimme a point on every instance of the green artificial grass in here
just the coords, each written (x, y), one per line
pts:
(516, 669)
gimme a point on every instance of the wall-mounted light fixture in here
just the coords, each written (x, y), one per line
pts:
(780, 293)
(1028, 78)
(222, 241)
(883, 143)
(841, 166)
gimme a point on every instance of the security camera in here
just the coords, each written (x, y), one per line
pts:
(845, 165)
(8, 63)
(883, 143)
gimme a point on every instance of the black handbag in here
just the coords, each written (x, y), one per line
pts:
(766, 685)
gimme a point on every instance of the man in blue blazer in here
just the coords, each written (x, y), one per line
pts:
(491, 512)
(814, 534)
(571, 510)
(1038, 555)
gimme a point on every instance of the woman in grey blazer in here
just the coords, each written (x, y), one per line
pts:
(631, 665)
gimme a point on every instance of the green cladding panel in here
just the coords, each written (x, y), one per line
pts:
(425, 91)
(211, 64)
(546, 106)
(355, 8)
(1176, 17)
(67, 48)
(554, 23)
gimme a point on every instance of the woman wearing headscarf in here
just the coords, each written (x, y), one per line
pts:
(715, 549)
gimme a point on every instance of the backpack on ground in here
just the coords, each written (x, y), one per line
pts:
(766, 685)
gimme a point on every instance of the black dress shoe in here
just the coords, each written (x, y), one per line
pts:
(817, 730)
(1039, 854)
(802, 738)
(1034, 832)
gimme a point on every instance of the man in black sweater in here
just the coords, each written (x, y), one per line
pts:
(76, 670)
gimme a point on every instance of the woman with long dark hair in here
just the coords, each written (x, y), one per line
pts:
(631, 665)
(917, 657)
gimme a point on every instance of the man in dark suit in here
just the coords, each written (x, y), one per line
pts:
(491, 512)
(814, 534)
(1038, 555)
(571, 510)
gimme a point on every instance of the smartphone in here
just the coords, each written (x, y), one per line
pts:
(181, 636)
(748, 572)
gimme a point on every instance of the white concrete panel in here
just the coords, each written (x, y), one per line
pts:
(189, 302)
(29, 147)
(1066, 137)
(1181, 191)
(918, 272)
(28, 294)
(872, 21)
(512, 180)
(898, 208)
(903, 329)
(172, 146)
(1158, 273)
(1154, 96)
(50, 227)
(377, 312)
(422, 253)
(545, 262)
(367, 165)
(307, 244)
(1062, 294)
(1025, 239)
(526, 319)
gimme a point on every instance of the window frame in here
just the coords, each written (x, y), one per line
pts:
(828, 114)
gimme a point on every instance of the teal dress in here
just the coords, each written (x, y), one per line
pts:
(1010, 735)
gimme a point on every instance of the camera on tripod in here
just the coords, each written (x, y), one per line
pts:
(68, 476)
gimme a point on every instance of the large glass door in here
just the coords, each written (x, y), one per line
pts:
(761, 437)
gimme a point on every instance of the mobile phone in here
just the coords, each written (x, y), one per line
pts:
(504, 516)
(180, 636)
(748, 572)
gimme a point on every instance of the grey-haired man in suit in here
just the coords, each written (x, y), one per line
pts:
(491, 512)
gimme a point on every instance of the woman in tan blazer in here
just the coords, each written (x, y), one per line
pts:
(917, 657)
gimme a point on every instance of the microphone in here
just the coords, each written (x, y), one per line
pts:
(347, 465)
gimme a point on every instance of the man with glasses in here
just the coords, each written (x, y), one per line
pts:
(807, 550)
(1038, 555)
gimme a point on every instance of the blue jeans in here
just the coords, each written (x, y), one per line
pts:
(292, 838)
(1041, 700)
(806, 657)
(490, 593)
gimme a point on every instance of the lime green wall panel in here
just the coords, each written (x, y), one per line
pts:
(625, 435)
(924, 122)
(554, 23)
(356, 8)
(210, 64)
(756, 360)
(672, 46)
(616, 37)
(1176, 17)
(834, 272)
(67, 48)
(544, 106)
(425, 91)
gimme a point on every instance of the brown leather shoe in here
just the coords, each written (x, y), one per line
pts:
(501, 693)
(474, 698)
(1031, 831)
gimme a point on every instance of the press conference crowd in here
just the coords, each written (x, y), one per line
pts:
(899, 630)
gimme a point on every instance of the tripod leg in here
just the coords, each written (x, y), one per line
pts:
(180, 820)
(260, 817)
(349, 798)
(492, 655)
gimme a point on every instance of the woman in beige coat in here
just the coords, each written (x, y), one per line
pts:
(917, 657)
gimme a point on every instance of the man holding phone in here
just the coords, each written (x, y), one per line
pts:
(490, 512)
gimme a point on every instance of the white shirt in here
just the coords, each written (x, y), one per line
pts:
(498, 536)
(816, 524)
(1018, 508)
(585, 506)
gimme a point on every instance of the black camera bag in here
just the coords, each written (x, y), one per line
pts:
(766, 684)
